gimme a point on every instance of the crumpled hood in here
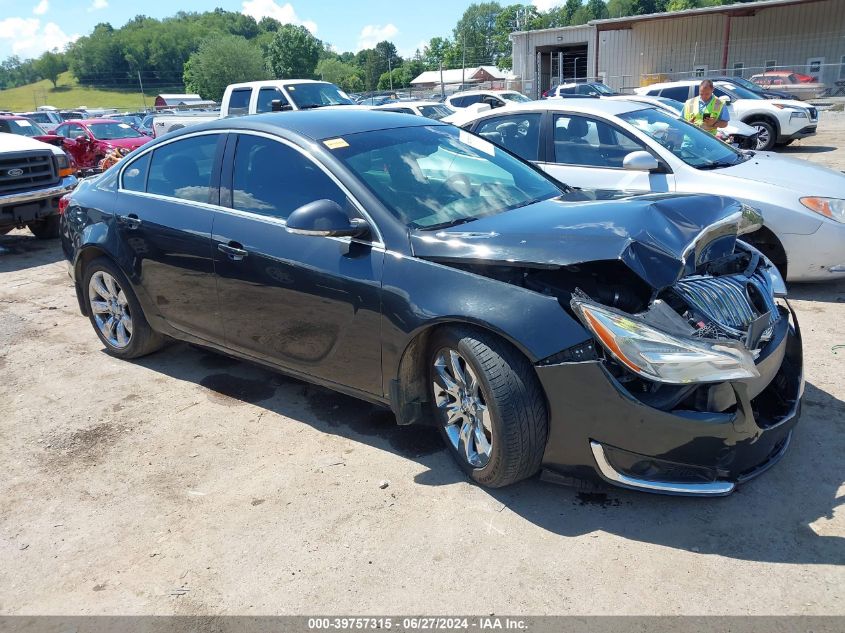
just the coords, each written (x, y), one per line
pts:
(801, 177)
(659, 236)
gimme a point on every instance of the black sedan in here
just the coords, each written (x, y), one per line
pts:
(415, 265)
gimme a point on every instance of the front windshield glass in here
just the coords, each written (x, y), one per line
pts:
(748, 85)
(675, 106)
(432, 177)
(22, 127)
(514, 96)
(317, 95)
(689, 143)
(112, 131)
(436, 112)
(741, 93)
(602, 89)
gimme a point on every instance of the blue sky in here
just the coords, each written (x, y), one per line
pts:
(28, 27)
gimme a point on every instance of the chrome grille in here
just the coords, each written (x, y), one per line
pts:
(726, 300)
(20, 171)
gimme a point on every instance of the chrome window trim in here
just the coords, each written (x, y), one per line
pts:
(378, 243)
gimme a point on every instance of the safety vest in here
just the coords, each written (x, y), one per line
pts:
(696, 117)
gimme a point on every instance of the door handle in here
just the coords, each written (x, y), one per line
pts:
(130, 221)
(234, 250)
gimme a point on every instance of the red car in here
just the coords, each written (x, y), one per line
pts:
(89, 140)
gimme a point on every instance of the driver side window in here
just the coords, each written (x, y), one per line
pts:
(590, 142)
(517, 133)
(75, 131)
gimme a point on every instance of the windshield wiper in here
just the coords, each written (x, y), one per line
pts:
(447, 225)
(720, 163)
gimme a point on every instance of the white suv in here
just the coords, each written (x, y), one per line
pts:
(778, 121)
(493, 98)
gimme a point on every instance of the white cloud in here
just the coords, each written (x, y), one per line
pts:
(545, 5)
(372, 34)
(284, 13)
(98, 4)
(41, 8)
(29, 39)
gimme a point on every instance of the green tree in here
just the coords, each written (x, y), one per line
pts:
(221, 61)
(50, 65)
(438, 50)
(347, 76)
(475, 35)
(620, 8)
(293, 53)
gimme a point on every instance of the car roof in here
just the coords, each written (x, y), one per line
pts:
(90, 121)
(12, 117)
(318, 124)
(275, 82)
(589, 106)
(465, 93)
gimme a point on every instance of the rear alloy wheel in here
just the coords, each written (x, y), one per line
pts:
(115, 313)
(489, 406)
(766, 135)
(46, 229)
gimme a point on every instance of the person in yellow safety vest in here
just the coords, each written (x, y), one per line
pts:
(706, 111)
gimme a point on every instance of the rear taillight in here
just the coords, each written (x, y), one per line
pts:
(64, 201)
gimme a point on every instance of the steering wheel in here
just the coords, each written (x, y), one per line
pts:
(459, 184)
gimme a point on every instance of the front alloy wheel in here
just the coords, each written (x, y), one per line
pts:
(110, 309)
(488, 405)
(458, 395)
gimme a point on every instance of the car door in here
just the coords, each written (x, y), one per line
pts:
(588, 152)
(305, 303)
(165, 211)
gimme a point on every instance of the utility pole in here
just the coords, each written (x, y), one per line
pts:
(442, 90)
(389, 71)
(143, 96)
(463, 60)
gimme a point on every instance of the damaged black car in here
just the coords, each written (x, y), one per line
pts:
(631, 340)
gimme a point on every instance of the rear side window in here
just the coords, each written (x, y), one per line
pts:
(135, 175)
(518, 133)
(239, 101)
(273, 179)
(678, 93)
(266, 96)
(182, 169)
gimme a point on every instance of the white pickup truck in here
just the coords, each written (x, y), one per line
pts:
(260, 96)
(33, 176)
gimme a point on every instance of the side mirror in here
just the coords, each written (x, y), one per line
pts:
(725, 99)
(276, 105)
(325, 218)
(83, 139)
(640, 161)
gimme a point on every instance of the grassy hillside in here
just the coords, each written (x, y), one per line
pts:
(68, 94)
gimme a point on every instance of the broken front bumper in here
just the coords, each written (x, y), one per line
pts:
(597, 428)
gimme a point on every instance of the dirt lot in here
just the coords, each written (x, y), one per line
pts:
(190, 483)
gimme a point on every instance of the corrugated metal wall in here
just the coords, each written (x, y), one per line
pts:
(789, 35)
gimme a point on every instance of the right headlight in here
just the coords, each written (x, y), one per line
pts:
(661, 356)
(833, 208)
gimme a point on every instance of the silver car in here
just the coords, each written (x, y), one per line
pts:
(618, 144)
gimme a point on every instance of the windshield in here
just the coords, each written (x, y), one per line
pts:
(317, 95)
(22, 127)
(675, 106)
(737, 91)
(112, 131)
(436, 112)
(432, 177)
(514, 96)
(602, 89)
(689, 143)
(748, 85)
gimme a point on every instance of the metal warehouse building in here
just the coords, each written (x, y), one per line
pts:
(804, 36)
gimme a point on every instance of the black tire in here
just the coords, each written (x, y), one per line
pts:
(766, 131)
(143, 339)
(513, 398)
(46, 229)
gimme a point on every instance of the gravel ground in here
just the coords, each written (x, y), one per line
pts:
(189, 483)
